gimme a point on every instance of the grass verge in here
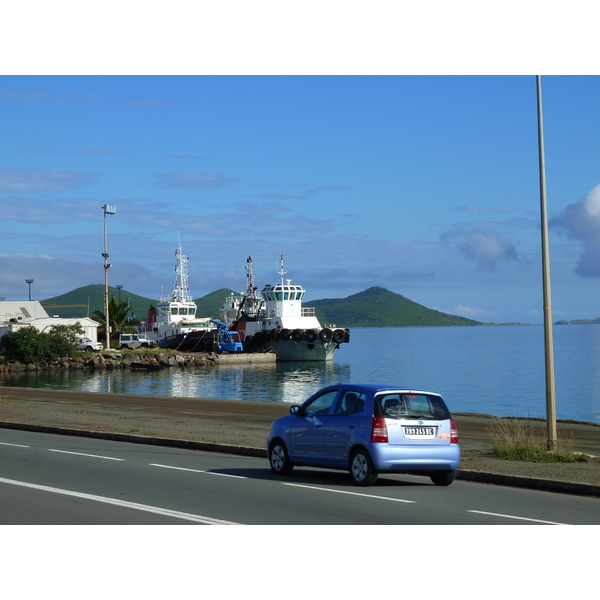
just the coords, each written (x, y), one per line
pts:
(514, 440)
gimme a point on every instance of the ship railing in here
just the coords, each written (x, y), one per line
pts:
(308, 311)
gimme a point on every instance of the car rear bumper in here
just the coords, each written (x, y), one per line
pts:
(415, 458)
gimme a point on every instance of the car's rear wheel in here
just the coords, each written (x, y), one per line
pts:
(362, 470)
(279, 459)
(443, 477)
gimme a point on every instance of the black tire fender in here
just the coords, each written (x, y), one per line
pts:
(326, 335)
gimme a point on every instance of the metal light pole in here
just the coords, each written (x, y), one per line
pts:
(549, 350)
(109, 209)
(29, 281)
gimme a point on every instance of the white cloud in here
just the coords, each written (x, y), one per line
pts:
(581, 221)
(483, 246)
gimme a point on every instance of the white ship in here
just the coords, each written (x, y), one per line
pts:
(276, 320)
(172, 322)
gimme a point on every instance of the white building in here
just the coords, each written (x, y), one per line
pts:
(14, 315)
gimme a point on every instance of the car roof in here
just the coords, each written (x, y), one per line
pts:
(377, 388)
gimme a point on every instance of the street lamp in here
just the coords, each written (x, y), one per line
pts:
(109, 209)
(548, 342)
(29, 281)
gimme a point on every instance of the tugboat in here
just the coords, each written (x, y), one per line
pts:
(172, 322)
(277, 321)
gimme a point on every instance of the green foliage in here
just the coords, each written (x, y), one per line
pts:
(378, 307)
(28, 345)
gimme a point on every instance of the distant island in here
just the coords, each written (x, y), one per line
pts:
(579, 322)
(374, 307)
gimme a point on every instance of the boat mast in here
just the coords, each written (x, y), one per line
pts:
(282, 272)
(181, 291)
(249, 278)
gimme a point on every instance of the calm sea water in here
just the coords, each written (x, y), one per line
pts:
(497, 370)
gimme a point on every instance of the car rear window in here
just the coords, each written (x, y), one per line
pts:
(410, 406)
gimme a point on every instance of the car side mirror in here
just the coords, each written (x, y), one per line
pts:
(294, 409)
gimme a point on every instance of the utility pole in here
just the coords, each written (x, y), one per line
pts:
(548, 345)
(109, 209)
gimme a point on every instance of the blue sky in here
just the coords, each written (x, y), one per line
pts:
(424, 184)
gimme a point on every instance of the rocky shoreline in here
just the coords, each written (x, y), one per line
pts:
(134, 359)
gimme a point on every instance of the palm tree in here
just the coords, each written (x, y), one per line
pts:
(118, 313)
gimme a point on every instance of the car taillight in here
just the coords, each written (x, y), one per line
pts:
(453, 432)
(379, 431)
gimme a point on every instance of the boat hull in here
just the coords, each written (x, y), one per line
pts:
(297, 345)
(194, 341)
(298, 351)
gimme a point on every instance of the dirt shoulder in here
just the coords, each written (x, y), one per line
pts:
(246, 424)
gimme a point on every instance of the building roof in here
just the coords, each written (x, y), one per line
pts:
(25, 310)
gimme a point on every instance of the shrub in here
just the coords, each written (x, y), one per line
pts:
(29, 346)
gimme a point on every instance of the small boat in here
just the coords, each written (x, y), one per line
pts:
(277, 321)
(172, 322)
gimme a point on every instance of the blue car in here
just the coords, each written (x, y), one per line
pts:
(368, 429)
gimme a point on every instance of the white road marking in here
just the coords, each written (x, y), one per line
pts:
(197, 471)
(312, 487)
(133, 505)
(481, 512)
(82, 454)
(15, 445)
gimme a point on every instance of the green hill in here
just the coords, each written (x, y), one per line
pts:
(375, 307)
(208, 306)
(378, 307)
(83, 301)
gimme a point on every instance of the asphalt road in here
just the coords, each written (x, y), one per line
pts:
(53, 479)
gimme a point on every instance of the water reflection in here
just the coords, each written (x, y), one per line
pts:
(282, 382)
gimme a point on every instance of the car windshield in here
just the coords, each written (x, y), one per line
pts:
(399, 405)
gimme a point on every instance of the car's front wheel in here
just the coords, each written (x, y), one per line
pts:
(362, 470)
(279, 459)
(443, 477)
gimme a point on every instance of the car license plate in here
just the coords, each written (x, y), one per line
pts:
(418, 431)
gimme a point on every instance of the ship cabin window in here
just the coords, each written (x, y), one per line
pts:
(183, 311)
(174, 311)
(286, 295)
(278, 295)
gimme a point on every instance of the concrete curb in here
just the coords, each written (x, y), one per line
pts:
(562, 487)
(139, 439)
(545, 485)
